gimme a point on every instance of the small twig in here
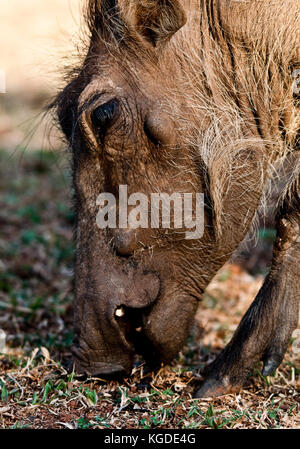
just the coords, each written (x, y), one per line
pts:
(12, 308)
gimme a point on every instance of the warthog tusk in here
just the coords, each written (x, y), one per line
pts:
(120, 312)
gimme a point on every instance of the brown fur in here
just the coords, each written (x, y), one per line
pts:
(206, 104)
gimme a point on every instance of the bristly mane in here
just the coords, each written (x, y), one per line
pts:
(237, 80)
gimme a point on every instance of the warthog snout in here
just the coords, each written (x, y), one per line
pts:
(109, 317)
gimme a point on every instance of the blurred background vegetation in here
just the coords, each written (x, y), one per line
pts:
(37, 40)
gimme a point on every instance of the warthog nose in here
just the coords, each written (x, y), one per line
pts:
(125, 241)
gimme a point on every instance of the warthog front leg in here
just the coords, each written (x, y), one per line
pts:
(266, 329)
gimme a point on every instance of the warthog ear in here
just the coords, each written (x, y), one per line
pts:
(155, 20)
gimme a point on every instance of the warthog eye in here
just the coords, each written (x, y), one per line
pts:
(103, 116)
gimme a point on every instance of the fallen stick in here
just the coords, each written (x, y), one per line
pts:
(20, 309)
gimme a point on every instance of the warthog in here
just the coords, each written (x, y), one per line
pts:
(193, 96)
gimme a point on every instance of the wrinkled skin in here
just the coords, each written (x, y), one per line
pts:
(135, 68)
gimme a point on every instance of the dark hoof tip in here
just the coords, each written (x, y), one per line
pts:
(270, 367)
(212, 388)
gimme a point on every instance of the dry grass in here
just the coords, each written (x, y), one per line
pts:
(36, 391)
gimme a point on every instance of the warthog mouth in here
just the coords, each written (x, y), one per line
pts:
(119, 363)
(92, 367)
(131, 323)
(110, 315)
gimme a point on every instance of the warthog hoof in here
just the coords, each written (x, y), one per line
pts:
(213, 387)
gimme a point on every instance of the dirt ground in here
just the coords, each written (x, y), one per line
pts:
(36, 269)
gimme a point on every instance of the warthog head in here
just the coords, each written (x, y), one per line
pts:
(128, 114)
(132, 292)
